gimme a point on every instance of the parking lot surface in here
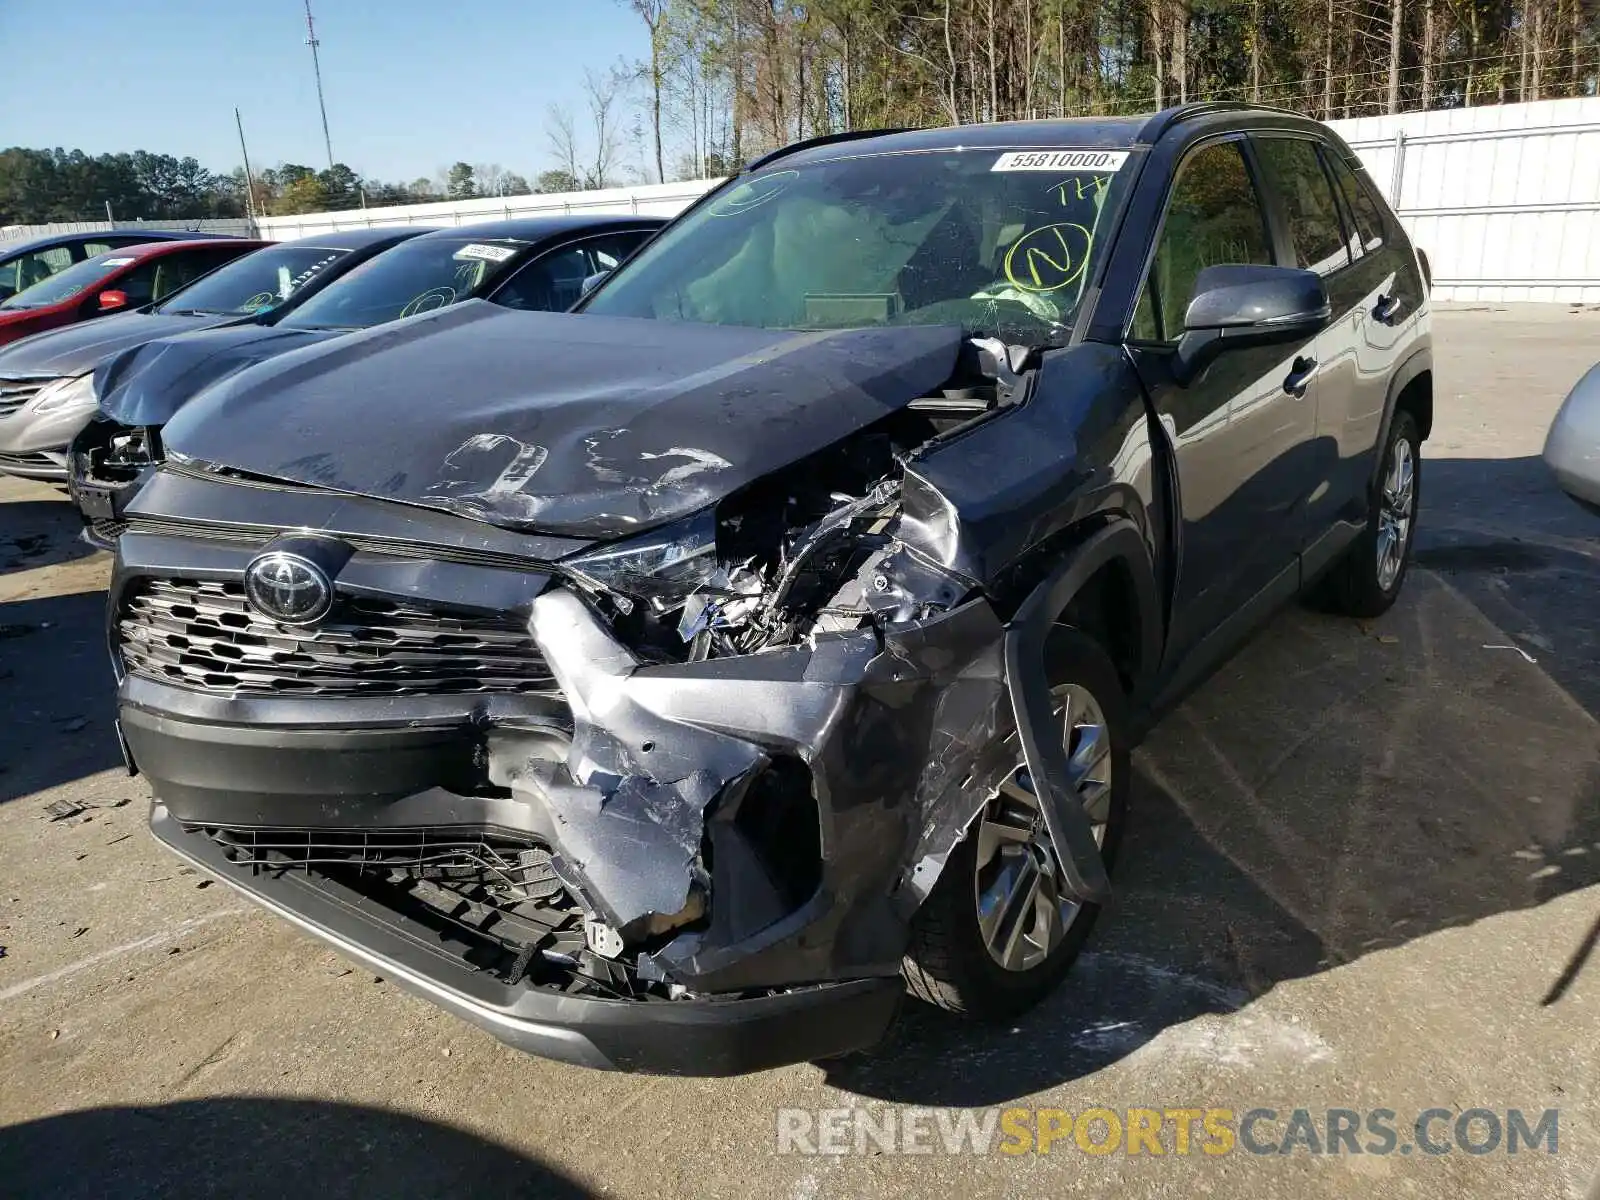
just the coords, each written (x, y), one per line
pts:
(1363, 873)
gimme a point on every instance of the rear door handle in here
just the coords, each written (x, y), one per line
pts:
(1388, 307)
(1299, 376)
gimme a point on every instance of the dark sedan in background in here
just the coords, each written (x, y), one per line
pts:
(28, 261)
(537, 263)
(46, 389)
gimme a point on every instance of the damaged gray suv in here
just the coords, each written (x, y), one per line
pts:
(673, 685)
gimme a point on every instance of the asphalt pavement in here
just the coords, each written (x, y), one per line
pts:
(1363, 873)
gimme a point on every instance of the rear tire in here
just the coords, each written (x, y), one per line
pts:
(1367, 579)
(950, 962)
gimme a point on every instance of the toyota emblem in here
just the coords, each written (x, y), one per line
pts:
(287, 588)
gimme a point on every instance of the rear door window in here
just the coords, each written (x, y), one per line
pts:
(174, 271)
(1359, 203)
(611, 249)
(551, 283)
(28, 269)
(1294, 171)
(1214, 218)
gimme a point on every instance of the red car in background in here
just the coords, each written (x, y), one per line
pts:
(118, 281)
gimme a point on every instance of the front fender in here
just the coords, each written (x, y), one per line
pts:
(1011, 489)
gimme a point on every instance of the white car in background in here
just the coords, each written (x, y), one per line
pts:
(1572, 448)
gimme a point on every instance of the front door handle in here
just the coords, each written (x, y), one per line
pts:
(1388, 307)
(1299, 376)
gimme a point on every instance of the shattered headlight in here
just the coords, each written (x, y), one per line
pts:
(663, 568)
(74, 392)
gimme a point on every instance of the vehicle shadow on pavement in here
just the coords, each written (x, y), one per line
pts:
(57, 691)
(256, 1146)
(39, 533)
(1337, 788)
(1503, 534)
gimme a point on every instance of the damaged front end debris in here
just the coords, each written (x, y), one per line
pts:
(760, 734)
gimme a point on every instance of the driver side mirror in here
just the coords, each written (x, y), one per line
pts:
(1235, 306)
(590, 282)
(111, 300)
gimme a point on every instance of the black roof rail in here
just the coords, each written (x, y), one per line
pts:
(826, 139)
(1164, 120)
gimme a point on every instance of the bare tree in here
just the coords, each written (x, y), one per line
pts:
(653, 13)
(491, 178)
(1396, 15)
(604, 95)
(561, 134)
(1428, 48)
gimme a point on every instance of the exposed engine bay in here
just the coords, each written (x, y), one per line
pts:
(804, 551)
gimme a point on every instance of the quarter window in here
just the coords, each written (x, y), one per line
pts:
(1214, 217)
(1294, 170)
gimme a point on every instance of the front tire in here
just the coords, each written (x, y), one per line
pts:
(998, 932)
(1366, 582)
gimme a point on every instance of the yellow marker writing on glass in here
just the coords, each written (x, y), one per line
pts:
(1048, 258)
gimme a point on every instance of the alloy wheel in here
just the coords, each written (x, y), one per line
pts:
(1018, 884)
(1395, 511)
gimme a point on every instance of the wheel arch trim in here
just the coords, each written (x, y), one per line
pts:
(1029, 689)
(1418, 363)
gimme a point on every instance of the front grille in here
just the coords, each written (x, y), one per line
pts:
(520, 870)
(203, 635)
(496, 901)
(14, 393)
(108, 531)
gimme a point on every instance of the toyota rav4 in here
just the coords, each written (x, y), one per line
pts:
(673, 686)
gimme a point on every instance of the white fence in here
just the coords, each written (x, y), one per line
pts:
(237, 226)
(1505, 199)
(655, 200)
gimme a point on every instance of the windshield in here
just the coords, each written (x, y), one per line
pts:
(414, 277)
(997, 242)
(256, 283)
(66, 284)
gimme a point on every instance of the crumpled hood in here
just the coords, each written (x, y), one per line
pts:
(146, 384)
(75, 349)
(580, 425)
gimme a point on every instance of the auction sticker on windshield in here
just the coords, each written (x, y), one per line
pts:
(1060, 160)
(486, 253)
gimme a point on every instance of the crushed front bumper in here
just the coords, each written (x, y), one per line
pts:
(808, 795)
(677, 1037)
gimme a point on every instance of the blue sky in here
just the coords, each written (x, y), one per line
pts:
(412, 85)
